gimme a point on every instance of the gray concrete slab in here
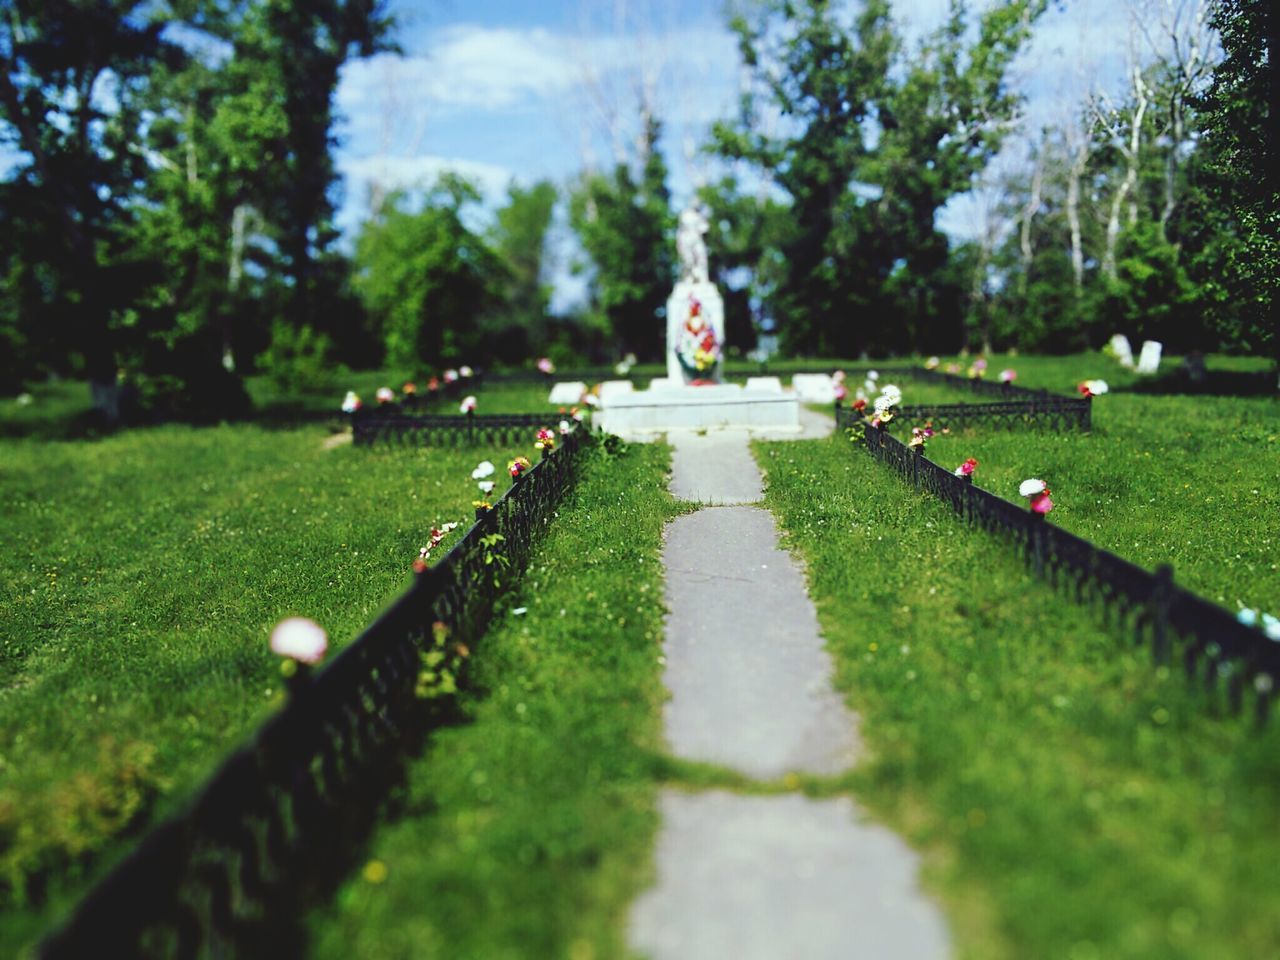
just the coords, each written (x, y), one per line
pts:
(813, 426)
(750, 679)
(714, 468)
(781, 878)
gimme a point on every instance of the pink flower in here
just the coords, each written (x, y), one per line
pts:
(1041, 503)
(1008, 376)
(468, 405)
(966, 469)
(386, 395)
(300, 639)
(450, 376)
(841, 391)
(546, 366)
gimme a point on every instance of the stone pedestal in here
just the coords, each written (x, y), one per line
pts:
(722, 406)
(679, 307)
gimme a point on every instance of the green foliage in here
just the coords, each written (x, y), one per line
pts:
(518, 239)
(625, 224)
(425, 278)
(874, 143)
(1237, 213)
(298, 358)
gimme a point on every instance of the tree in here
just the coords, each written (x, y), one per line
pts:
(1235, 215)
(71, 73)
(625, 225)
(518, 239)
(425, 278)
(877, 143)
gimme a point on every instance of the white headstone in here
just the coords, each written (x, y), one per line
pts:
(663, 383)
(1123, 352)
(814, 387)
(766, 384)
(567, 392)
(613, 388)
(1149, 359)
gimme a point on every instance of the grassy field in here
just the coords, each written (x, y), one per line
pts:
(1181, 479)
(1071, 800)
(142, 574)
(526, 832)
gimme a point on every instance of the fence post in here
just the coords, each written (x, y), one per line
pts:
(915, 465)
(1161, 595)
(1088, 413)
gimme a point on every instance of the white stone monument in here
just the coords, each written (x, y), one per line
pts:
(1149, 359)
(692, 396)
(695, 310)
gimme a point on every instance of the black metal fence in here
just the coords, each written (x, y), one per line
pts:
(1017, 407)
(440, 430)
(1215, 648)
(229, 874)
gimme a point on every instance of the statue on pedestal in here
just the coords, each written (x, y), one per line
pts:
(695, 311)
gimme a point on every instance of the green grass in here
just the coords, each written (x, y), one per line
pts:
(527, 831)
(1180, 479)
(141, 577)
(1072, 801)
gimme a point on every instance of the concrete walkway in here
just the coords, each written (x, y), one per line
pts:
(773, 876)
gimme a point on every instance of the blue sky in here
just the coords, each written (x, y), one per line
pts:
(501, 90)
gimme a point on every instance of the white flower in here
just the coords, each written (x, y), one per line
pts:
(932, 363)
(301, 639)
(450, 376)
(1097, 387)
(590, 399)
(860, 394)
(386, 395)
(872, 375)
(1030, 488)
(351, 402)
(484, 469)
(1248, 617)
(465, 371)
(883, 404)
(520, 611)
(468, 405)
(564, 428)
(891, 391)
(486, 487)
(869, 386)
(1271, 626)
(959, 472)
(25, 399)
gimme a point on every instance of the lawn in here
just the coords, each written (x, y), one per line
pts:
(142, 575)
(1071, 800)
(527, 831)
(1182, 479)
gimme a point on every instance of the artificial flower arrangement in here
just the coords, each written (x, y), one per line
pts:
(386, 395)
(932, 363)
(565, 428)
(1008, 375)
(544, 441)
(1093, 388)
(697, 350)
(890, 397)
(1037, 494)
(468, 405)
(301, 643)
(450, 376)
(518, 466)
(410, 389)
(545, 366)
(978, 369)
(351, 402)
(965, 470)
(437, 535)
(481, 474)
(919, 437)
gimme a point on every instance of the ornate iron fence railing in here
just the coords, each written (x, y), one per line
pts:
(377, 426)
(1214, 646)
(223, 877)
